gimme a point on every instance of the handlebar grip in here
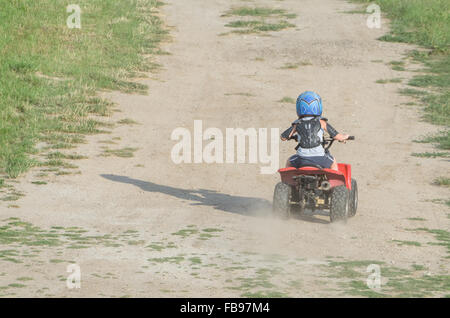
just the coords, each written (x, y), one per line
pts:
(351, 138)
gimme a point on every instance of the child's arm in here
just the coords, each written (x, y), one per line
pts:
(289, 133)
(333, 132)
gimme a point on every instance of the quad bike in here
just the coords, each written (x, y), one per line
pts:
(316, 188)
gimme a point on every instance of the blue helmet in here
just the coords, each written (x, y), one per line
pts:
(309, 103)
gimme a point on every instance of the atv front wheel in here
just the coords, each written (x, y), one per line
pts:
(281, 200)
(339, 204)
(353, 199)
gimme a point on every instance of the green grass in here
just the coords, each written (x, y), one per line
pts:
(24, 239)
(419, 286)
(263, 20)
(12, 196)
(159, 246)
(431, 154)
(287, 100)
(442, 236)
(185, 232)
(260, 12)
(212, 230)
(127, 121)
(398, 68)
(173, 259)
(289, 66)
(57, 261)
(357, 11)
(441, 201)
(418, 267)
(50, 73)
(408, 243)
(195, 260)
(400, 282)
(416, 219)
(247, 27)
(397, 65)
(442, 181)
(442, 140)
(280, 25)
(412, 92)
(59, 155)
(207, 235)
(386, 81)
(58, 163)
(259, 283)
(243, 24)
(39, 182)
(425, 23)
(126, 152)
(349, 269)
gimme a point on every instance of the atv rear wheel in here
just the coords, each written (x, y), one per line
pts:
(339, 204)
(281, 200)
(353, 199)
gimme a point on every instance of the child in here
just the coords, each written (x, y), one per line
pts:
(309, 129)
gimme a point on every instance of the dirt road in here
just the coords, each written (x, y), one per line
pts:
(203, 230)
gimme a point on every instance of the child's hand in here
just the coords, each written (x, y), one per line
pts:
(341, 137)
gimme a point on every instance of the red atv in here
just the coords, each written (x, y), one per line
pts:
(316, 188)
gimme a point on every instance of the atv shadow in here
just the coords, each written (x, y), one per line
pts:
(248, 206)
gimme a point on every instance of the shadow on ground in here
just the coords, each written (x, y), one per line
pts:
(220, 201)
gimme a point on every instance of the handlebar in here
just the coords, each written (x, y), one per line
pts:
(328, 142)
(331, 139)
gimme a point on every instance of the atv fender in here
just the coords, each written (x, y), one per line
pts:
(336, 178)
